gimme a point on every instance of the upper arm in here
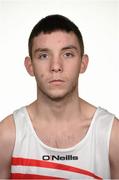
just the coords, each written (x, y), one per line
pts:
(114, 150)
(7, 138)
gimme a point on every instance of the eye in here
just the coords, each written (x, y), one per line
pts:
(43, 56)
(68, 55)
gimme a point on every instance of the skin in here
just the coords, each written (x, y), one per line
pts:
(56, 64)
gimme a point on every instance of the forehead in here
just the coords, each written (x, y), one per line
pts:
(57, 39)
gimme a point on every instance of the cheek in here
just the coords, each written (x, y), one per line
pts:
(74, 65)
(39, 74)
(74, 74)
(73, 70)
(42, 76)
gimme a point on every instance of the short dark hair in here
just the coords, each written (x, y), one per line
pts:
(53, 23)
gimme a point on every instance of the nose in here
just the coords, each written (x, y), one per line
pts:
(56, 66)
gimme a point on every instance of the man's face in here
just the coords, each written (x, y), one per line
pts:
(56, 63)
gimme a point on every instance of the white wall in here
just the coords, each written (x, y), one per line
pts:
(98, 21)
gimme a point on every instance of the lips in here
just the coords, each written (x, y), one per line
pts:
(56, 81)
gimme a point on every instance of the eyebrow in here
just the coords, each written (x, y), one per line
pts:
(40, 50)
(70, 47)
(47, 49)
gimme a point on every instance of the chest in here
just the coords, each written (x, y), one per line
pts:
(63, 136)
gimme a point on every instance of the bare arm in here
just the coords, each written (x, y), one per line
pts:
(114, 150)
(7, 138)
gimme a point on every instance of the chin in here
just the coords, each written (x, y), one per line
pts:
(57, 97)
(59, 94)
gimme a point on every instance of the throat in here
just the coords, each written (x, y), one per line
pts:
(58, 110)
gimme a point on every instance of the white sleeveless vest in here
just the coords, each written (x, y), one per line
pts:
(89, 159)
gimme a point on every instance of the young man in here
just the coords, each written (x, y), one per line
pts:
(59, 136)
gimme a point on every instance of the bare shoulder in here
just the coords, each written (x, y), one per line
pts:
(114, 139)
(7, 127)
(88, 109)
(7, 131)
(7, 139)
(114, 149)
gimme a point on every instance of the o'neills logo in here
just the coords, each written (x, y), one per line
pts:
(53, 157)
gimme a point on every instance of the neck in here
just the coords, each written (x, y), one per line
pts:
(58, 109)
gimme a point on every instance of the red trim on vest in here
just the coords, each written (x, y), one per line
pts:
(33, 176)
(46, 164)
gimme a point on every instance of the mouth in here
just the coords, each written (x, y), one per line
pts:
(56, 82)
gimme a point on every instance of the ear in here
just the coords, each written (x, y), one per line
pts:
(29, 65)
(84, 63)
